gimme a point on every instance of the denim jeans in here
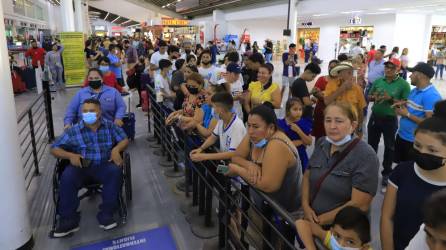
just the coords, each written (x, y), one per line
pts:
(268, 57)
(386, 126)
(73, 178)
(440, 69)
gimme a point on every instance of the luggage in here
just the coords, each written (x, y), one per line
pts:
(17, 84)
(29, 77)
(129, 122)
(129, 125)
(145, 101)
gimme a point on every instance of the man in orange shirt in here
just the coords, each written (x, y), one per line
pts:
(345, 88)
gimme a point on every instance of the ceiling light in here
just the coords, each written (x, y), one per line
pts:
(351, 12)
(386, 9)
(178, 1)
(325, 14)
(376, 13)
(108, 13)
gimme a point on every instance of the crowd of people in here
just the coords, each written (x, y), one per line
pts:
(263, 129)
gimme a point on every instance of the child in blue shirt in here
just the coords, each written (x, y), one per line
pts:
(297, 128)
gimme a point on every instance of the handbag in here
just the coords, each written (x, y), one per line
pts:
(342, 155)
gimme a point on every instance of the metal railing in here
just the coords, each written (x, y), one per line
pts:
(237, 212)
(36, 131)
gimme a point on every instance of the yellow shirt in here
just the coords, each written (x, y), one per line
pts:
(354, 96)
(259, 95)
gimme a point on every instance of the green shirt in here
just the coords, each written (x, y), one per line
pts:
(398, 89)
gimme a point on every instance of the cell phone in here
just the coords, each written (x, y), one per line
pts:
(85, 163)
(222, 169)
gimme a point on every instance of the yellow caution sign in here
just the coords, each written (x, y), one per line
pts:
(73, 57)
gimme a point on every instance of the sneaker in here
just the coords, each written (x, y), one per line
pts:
(65, 228)
(107, 225)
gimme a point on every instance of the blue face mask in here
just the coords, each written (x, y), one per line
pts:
(334, 245)
(89, 118)
(104, 69)
(346, 139)
(261, 144)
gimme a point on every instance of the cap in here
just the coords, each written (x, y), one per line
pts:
(233, 68)
(343, 65)
(394, 62)
(424, 68)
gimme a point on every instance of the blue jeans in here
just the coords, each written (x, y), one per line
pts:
(440, 69)
(73, 178)
(268, 57)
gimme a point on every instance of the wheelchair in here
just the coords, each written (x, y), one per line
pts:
(92, 188)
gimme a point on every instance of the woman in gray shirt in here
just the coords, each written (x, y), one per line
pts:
(53, 60)
(353, 182)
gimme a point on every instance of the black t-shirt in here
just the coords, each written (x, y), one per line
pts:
(413, 190)
(248, 77)
(177, 80)
(299, 90)
(89, 52)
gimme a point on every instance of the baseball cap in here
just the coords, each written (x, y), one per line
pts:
(233, 68)
(394, 62)
(424, 68)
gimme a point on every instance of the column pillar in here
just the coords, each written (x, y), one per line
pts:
(79, 16)
(67, 15)
(219, 18)
(15, 227)
(293, 22)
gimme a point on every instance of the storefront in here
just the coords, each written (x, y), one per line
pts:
(100, 30)
(354, 34)
(178, 30)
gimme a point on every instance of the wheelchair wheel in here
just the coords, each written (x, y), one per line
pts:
(127, 177)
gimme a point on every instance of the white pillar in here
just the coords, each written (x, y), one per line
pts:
(79, 16)
(219, 17)
(293, 22)
(67, 15)
(15, 228)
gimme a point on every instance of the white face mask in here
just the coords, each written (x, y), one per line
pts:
(334, 245)
(345, 140)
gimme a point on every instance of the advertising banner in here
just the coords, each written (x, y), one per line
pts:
(73, 57)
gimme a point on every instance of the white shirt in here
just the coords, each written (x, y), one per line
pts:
(232, 135)
(156, 58)
(418, 242)
(344, 50)
(356, 51)
(206, 73)
(162, 84)
(237, 88)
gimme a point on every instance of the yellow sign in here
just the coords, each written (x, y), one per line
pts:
(73, 57)
(174, 22)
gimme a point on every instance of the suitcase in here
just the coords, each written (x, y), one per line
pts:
(129, 123)
(29, 77)
(17, 84)
(145, 101)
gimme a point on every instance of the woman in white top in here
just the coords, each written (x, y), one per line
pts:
(404, 63)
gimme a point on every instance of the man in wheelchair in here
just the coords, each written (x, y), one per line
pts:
(93, 147)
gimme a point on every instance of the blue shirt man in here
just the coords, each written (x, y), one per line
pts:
(419, 106)
(115, 63)
(376, 70)
(93, 148)
(112, 104)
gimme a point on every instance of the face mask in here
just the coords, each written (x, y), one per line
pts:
(346, 139)
(95, 84)
(427, 161)
(334, 245)
(187, 51)
(104, 69)
(261, 144)
(89, 117)
(192, 90)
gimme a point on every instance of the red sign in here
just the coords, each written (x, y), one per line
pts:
(117, 28)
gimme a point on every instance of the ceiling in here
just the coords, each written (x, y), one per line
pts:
(319, 8)
(204, 7)
(97, 14)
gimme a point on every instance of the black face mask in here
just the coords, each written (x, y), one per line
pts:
(427, 161)
(95, 84)
(192, 90)
(187, 51)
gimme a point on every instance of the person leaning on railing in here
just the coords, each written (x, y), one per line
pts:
(230, 130)
(268, 160)
(343, 170)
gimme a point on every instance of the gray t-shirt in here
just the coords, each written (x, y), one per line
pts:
(359, 169)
